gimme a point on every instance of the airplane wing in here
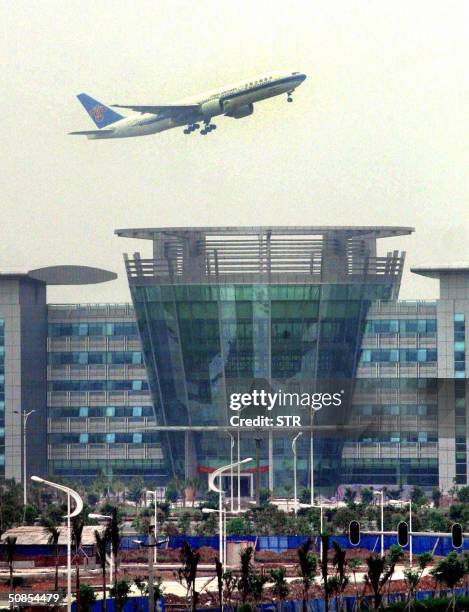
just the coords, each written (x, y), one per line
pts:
(170, 110)
(90, 132)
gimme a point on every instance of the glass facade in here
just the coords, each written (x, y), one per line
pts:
(205, 342)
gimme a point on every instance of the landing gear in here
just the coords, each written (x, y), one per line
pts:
(191, 128)
(208, 127)
(289, 96)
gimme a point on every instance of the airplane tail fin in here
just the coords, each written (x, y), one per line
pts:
(102, 115)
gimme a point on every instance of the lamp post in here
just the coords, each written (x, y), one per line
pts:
(293, 447)
(155, 519)
(25, 420)
(311, 452)
(382, 519)
(211, 485)
(232, 442)
(78, 508)
(152, 542)
(105, 517)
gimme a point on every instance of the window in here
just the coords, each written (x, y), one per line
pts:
(110, 438)
(83, 411)
(137, 438)
(110, 411)
(83, 439)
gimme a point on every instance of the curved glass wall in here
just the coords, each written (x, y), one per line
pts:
(203, 343)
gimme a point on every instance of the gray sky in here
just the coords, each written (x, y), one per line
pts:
(377, 134)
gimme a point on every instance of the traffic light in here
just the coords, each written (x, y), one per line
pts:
(354, 533)
(456, 535)
(403, 534)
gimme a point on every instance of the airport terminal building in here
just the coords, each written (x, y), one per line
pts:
(146, 389)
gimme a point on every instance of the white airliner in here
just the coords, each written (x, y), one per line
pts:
(235, 101)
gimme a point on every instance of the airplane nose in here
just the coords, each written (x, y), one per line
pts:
(302, 77)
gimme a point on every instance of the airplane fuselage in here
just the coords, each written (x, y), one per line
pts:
(234, 101)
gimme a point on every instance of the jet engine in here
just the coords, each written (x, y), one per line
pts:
(241, 111)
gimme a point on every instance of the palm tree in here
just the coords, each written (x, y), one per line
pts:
(101, 545)
(450, 571)
(306, 569)
(53, 540)
(77, 532)
(339, 561)
(10, 543)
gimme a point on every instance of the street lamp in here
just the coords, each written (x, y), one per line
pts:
(382, 519)
(293, 447)
(105, 517)
(211, 485)
(232, 442)
(152, 541)
(78, 508)
(25, 420)
(311, 451)
(212, 511)
(155, 518)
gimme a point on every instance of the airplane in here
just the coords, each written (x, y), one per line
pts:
(236, 101)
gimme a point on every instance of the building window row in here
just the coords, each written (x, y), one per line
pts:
(398, 356)
(399, 437)
(401, 326)
(396, 410)
(148, 437)
(100, 411)
(98, 385)
(124, 328)
(95, 358)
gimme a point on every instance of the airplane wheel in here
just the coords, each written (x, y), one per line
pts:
(203, 132)
(196, 126)
(213, 127)
(187, 131)
(289, 99)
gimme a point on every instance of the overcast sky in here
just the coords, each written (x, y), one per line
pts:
(377, 134)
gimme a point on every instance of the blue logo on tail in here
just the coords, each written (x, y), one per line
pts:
(101, 114)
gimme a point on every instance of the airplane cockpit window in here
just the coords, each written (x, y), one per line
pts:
(295, 73)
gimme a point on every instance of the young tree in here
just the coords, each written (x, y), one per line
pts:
(10, 547)
(307, 566)
(257, 587)
(187, 573)
(380, 572)
(230, 582)
(280, 588)
(87, 597)
(366, 495)
(349, 496)
(53, 540)
(436, 497)
(412, 578)
(120, 591)
(449, 571)
(246, 573)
